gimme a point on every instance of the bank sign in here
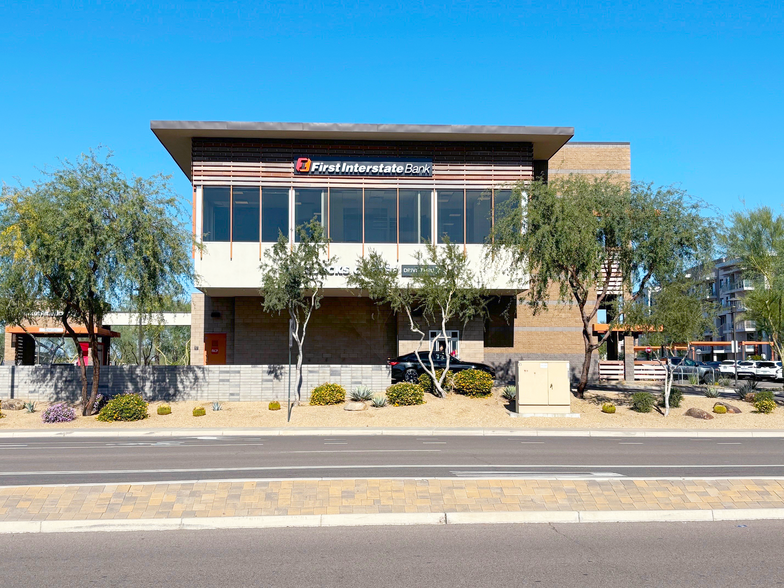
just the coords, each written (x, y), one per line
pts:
(323, 166)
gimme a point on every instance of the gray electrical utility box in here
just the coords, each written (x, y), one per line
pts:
(543, 387)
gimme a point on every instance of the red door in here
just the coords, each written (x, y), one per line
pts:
(215, 348)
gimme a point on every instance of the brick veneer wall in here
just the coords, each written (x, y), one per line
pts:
(47, 383)
(472, 346)
(594, 159)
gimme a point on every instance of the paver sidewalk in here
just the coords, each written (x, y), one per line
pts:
(378, 496)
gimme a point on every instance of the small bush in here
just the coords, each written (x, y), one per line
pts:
(199, 411)
(124, 407)
(474, 383)
(694, 379)
(274, 405)
(724, 382)
(164, 409)
(712, 392)
(608, 408)
(379, 401)
(719, 409)
(327, 394)
(2, 416)
(405, 394)
(676, 397)
(427, 383)
(764, 395)
(765, 406)
(509, 393)
(58, 413)
(361, 394)
(642, 401)
(746, 391)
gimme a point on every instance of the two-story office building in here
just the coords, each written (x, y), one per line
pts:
(390, 188)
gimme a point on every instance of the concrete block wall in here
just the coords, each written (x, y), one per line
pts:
(223, 383)
(592, 159)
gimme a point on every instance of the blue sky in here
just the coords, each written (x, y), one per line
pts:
(696, 87)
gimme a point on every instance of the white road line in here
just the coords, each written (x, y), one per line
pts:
(623, 443)
(433, 442)
(381, 467)
(729, 443)
(334, 443)
(531, 442)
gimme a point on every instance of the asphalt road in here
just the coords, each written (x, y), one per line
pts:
(83, 460)
(589, 555)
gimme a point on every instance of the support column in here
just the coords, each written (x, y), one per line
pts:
(628, 358)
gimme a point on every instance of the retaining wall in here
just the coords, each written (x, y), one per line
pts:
(226, 383)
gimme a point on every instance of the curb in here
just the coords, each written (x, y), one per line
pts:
(402, 519)
(445, 432)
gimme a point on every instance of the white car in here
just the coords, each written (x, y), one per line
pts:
(766, 370)
(779, 374)
(747, 369)
(727, 367)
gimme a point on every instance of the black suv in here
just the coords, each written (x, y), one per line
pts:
(406, 368)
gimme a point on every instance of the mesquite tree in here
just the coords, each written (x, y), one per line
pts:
(83, 240)
(445, 289)
(293, 281)
(756, 239)
(598, 241)
(680, 312)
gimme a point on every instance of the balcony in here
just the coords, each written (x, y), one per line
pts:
(737, 285)
(741, 326)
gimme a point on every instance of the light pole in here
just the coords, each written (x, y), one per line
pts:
(733, 304)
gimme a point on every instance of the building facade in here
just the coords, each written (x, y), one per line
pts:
(390, 188)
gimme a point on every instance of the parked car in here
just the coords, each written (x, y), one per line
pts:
(747, 369)
(766, 370)
(686, 368)
(727, 367)
(406, 368)
(711, 364)
(779, 374)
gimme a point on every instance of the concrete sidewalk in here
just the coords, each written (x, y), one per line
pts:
(227, 504)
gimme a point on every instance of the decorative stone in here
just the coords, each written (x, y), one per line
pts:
(13, 404)
(730, 409)
(698, 413)
(355, 406)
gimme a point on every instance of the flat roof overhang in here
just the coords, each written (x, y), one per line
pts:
(176, 135)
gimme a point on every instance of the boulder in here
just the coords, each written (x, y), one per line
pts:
(354, 406)
(730, 409)
(698, 413)
(13, 404)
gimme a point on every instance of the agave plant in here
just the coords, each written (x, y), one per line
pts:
(379, 401)
(361, 393)
(509, 393)
(712, 392)
(217, 406)
(29, 406)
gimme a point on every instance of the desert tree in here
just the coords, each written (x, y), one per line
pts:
(756, 239)
(293, 276)
(445, 289)
(598, 241)
(76, 243)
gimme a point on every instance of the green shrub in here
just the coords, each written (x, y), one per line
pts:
(642, 401)
(509, 393)
(427, 383)
(199, 411)
(2, 416)
(327, 394)
(405, 394)
(164, 409)
(724, 382)
(720, 409)
(712, 392)
(274, 405)
(124, 407)
(764, 395)
(379, 401)
(473, 383)
(608, 408)
(765, 406)
(746, 391)
(676, 397)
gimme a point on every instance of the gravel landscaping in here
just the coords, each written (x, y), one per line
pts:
(454, 411)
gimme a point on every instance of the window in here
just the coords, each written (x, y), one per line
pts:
(345, 215)
(274, 213)
(450, 215)
(478, 209)
(309, 203)
(451, 345)
(499, 324)
(414, 216)
(500, 200)
(216, 213)
(245, 214)
(380, 216)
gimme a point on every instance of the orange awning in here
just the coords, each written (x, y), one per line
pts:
(37, 331)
